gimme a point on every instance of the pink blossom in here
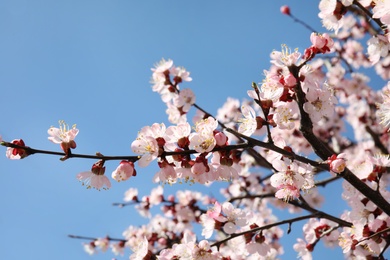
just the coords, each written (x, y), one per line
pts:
(322, 42)
(131, 194)
(180, 74)
(222, 170)
(160, 73)
(167, 173)
(248, 124)
(201, 171)
(346, 241)
(286, 113)
(124, 171)
(63, 136)
(330, 14)
(260, 247)
(229, 112)
(162, 67)
(354, 55)
(118, 248)
(216, 212)
(287, 192)
(174, 114)
(362, 167)
(285, 58)
(90, 248)
(327, 7)
(203, 252)
(378, 47)
(177, 136)
(203, 139)
(208, 224)
(184, 100)
(321, 228)
(287, 173)
(147, 144)
(148, 147)
(186, 249)
(140, 250)
(301, 248)
(381, 11)
(156, 195)
(290, 179)
(320, 104)
(102, 243)
(95, 178)
(271, 88)
(236, 218)
(380, 159)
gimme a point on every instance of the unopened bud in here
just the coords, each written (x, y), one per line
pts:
(285, 10)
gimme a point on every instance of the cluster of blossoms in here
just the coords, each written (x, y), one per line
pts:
(157, 141)
(171, 235)
(166, 79)
(301, 106)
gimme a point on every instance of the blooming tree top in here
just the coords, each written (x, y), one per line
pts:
(290, 127)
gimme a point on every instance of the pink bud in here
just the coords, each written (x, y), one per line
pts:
(285, 10)
(317, 40)
(17, 153)
(220, 138)
(337, 163)
(124, 171)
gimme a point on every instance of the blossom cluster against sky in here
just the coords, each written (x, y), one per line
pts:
(88, 63)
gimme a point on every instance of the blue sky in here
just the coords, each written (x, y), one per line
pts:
(88, 63)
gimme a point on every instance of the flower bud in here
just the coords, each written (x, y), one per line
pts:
(285, 10)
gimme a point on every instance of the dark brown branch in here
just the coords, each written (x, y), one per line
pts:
(323, 183)
(374, 235)
(304, 205)
(94, 238)
(369, 14)
(99, 156)
(324, 152)
(277, 149)
(261, 196)
(377, 141)
(301, 203)
(288, 221)
(30, 151)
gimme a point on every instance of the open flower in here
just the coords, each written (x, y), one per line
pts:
(383, 112)
(320, 103)
(63, 136)
(184, 100)
(140, 249)
(203, 140)
(95, 178)
(286, 57)
(248, 122)
(148, 143)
